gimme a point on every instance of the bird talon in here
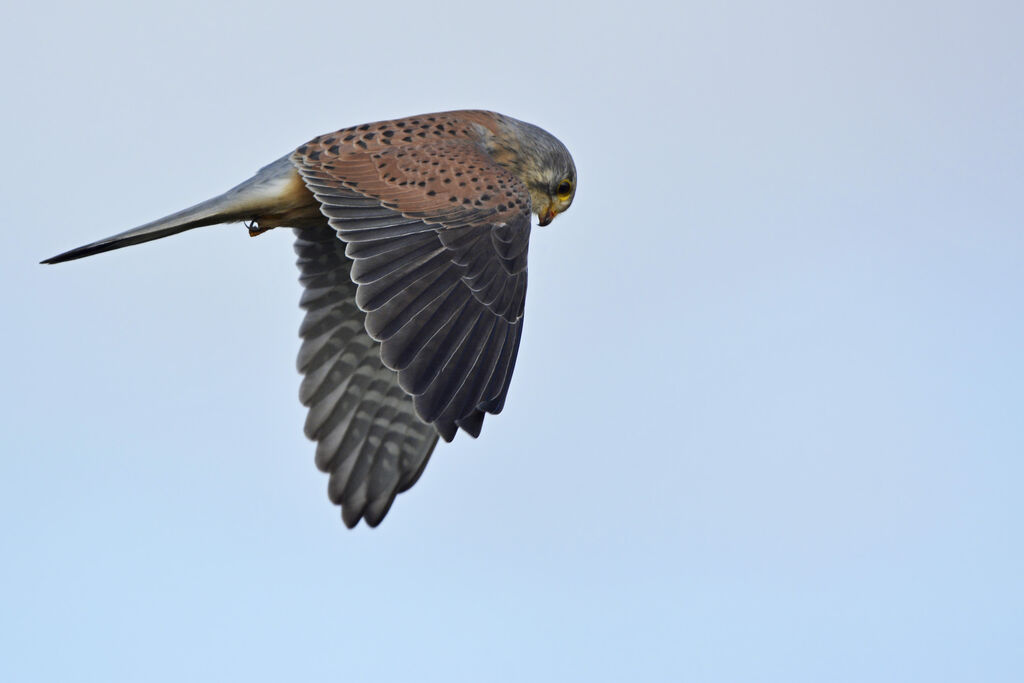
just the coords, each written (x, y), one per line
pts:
(254, 228)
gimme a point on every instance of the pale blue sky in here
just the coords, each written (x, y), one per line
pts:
(767, 422)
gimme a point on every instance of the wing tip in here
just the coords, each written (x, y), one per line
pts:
(472, 423)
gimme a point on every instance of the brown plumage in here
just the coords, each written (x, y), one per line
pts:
(412, 238)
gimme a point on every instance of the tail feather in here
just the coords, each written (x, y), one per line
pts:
(266, 192)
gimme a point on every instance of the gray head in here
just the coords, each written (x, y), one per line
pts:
(539, 160)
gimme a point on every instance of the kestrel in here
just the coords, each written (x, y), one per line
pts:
(412, 237)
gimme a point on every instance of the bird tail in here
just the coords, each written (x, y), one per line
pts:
(272, 190)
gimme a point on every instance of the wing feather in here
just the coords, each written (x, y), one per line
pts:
(414, 309)
(369, 437)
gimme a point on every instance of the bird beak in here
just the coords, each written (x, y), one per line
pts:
(546, 217)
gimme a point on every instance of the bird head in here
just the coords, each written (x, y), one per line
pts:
(539, 160)
(552, 195)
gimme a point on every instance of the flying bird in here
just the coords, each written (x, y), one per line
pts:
(412, 238)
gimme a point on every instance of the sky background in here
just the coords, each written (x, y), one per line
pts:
(767, 422)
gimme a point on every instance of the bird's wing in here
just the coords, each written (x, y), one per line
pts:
(438, 236)
(369, 438)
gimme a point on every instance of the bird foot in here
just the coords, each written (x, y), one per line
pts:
(254, 228)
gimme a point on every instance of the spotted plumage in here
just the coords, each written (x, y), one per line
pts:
(412, 238)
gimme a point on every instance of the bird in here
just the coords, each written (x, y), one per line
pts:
(411, 236)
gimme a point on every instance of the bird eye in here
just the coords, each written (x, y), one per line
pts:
(564, 189)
